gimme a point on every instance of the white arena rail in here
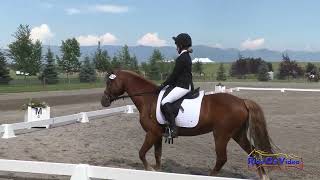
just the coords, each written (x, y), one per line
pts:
(276, 89)
(86, 172)
(83, 117)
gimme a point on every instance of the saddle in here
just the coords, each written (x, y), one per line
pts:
(193, 94)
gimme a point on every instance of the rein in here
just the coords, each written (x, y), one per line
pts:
(138, 94)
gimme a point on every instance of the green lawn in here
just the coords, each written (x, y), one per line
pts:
(33, 84)
(57, 87)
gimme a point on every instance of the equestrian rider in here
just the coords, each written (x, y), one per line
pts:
(180, 80)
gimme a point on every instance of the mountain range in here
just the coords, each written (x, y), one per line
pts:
(216, 54)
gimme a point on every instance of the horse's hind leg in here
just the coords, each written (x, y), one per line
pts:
(158, 153)
(149, 141)
(221, 142)
(242, 139)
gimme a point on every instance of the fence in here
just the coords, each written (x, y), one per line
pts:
(86, 172)
(83, 171)
(276, 89)
(83, 117)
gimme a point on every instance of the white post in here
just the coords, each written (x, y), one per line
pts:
(80, 172)
(129, 109)
(237, 89)
(83, 117)
(8, 131)
(282, 90)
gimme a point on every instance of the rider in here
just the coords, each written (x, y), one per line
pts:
(180, 80)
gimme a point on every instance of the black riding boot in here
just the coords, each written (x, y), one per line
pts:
(168, 114)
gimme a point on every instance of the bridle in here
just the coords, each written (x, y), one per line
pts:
(112, 98)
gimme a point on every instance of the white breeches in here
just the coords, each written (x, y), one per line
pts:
(175, 94)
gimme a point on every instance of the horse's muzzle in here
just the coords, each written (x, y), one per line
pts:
(105, 101)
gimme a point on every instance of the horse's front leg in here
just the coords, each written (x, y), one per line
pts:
(149, 141)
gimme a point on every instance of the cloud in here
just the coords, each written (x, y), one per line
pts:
(108, 8)
(91, 40)
(42, 33)
(217, 45)
(252, 44)
(72, 11)
(151, 39)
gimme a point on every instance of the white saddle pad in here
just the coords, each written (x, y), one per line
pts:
(189, 118)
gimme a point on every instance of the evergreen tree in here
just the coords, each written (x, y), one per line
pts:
(145, 67)
(221, 74)
(25, 54)
(115, 63)
(289, 68)
(124, 57)
(270, 66)
(69, 62)
(311, 68)
(154, 68)
(134, 63)
(126, 61)
(198, 67)
(102, 60)
(87, 71)
(4, 71)
(263, 74)
(50, 74)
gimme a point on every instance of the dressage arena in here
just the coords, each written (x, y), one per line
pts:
(293, 120)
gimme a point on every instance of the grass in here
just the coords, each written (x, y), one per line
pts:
(56, 87)
(33, 84)
(18, 83)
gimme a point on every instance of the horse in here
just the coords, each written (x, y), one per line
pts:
(225, 115)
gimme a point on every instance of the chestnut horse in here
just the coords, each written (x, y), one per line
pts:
(225, 115)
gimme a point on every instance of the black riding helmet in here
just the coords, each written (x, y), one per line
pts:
(183, 40)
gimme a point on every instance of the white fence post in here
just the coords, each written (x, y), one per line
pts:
(80, 172)
(83, 117)
(129, 109)
(8, 131)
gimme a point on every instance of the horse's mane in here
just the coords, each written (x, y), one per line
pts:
(139, 77)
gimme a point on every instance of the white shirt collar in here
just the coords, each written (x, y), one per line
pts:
(183, 51)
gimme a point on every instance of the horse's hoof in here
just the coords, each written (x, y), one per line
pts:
(265, 177)
(213, 173)
(157, 168)
(149, 168)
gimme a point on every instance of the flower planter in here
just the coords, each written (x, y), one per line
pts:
(219, 89)
(37, 114)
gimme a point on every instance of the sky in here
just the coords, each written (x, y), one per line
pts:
(243, 24)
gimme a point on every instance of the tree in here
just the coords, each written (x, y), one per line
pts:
(221, 74)
(145, 68)
(115, 63)
(198, 67)
(87, 71)
(154, 61)
(4, 71)
(124, 57)
(102, 60)
(134, 63)
(49, 74)
(69, 62)
(270, 66)
(263, 74)
(25, 54)
(126, 61)
(289, 68)
(239, 68)
(311, 68)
